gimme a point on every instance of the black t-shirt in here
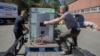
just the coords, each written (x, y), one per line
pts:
(18, 24)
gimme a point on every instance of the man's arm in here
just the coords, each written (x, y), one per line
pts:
(25, 28)
(54, 20)
(58, 14)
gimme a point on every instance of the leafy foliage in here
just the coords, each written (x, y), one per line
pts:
(26, 4)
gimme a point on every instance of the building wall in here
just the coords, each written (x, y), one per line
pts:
(82, 4)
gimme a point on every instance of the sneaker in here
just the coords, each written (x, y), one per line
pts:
(57, 39)
(62, 52)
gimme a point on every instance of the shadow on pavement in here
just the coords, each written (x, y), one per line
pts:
(2, 53)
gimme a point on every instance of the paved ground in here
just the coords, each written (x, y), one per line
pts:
(90, 40)
(87, 39)
(6, 37)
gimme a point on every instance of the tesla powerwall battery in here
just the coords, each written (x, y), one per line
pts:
(37, 28)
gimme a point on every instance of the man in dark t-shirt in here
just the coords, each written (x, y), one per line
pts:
(19, 25)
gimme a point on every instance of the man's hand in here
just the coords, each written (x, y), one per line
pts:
(53, 21)
(46, 22)
(25, 32)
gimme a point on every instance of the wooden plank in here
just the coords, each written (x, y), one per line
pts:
(58, 54)
(40, 54)
(47, 54)
(44, 45)
(32, 54)
(55, 54)
(28, 54)
(43, 54)
(47, 45)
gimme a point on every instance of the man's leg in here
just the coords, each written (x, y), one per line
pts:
(63, 44)
(17, 36)
(75, 41)
(22, 38)
(75, 33)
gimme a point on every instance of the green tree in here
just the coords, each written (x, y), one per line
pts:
(54, 4)
(43, 4)
(26, 4)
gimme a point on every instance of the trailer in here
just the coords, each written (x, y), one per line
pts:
(40, 38)
(8, 12)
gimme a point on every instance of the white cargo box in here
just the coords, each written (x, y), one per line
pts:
(37, 28)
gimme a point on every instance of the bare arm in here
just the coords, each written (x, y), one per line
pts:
(59, 14)
(54, 20)
(25, 28)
